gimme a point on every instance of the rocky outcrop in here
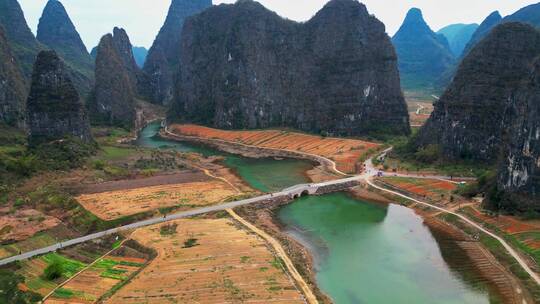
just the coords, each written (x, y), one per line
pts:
(468, 119)
(56, 31)
(458, 35)
(163, 58)
(54, 108)
(423, 55)
(12, 86)
(243, 66)
(113, 98)
(519, 173)
(483, 30)
(23, 43)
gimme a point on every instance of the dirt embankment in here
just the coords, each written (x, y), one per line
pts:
(345, 152)
(263, 216)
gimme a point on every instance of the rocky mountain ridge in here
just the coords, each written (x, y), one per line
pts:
(489, 112)
(54, 108)
(12, 86)
(423, 55)
(23, 43)
(243, 66)
(56, 31)
(113, 97)
(163, 57)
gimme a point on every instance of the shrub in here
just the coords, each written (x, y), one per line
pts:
(53, 271)
(63, 154)
(191, 242)
(169, 229)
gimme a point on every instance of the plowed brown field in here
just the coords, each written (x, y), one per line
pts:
(223, 264)
(24, 224)
(114, 204)
(345, 152)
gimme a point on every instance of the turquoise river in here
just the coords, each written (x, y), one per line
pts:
(363, 252)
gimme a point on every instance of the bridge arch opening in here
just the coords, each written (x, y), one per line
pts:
(304, 193)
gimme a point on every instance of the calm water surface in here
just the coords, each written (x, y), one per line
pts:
(369, 253)
(364, 252)
(264, 174)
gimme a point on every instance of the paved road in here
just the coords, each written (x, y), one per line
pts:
(184, 214)
(367, 176)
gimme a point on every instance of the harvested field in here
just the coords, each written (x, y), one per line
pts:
(345, 152)
(24, 224)
(432, 188)
(114, 204)
(38, 240)
(165, 179)
(94, 282)
(508, 224)
(208, 261)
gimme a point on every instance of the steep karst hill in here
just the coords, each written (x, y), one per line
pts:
(490, 114)
(56, 31)
(423, 55)
(23, 43)
(519, 173)
(12, 86)
(243, 66)
(467, 120)
(113, 98)
(163, 57)
(483, 30)
(517, 188)
(54, 108)
(529, 14)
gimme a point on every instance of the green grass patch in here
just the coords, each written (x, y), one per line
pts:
(64, 293)
(112, 153)
(117, 274)
(69, 266)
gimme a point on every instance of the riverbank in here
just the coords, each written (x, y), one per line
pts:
(264, 218)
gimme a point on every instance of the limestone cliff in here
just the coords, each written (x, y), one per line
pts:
(243, 66)
(468, 119)
(519, 172)
(56, 31)
(12, 86)
(163, 57)
(23, 43)
(113, 98)
(54, 108)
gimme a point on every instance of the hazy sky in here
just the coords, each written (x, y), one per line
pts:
(142, 19)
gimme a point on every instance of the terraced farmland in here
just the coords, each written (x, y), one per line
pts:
(97, 280)
(345, 152)
(432, 188)
(207, 261)
(114, 204)
(32, 270)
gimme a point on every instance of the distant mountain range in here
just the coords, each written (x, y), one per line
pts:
(423, 55)
(458, 35)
